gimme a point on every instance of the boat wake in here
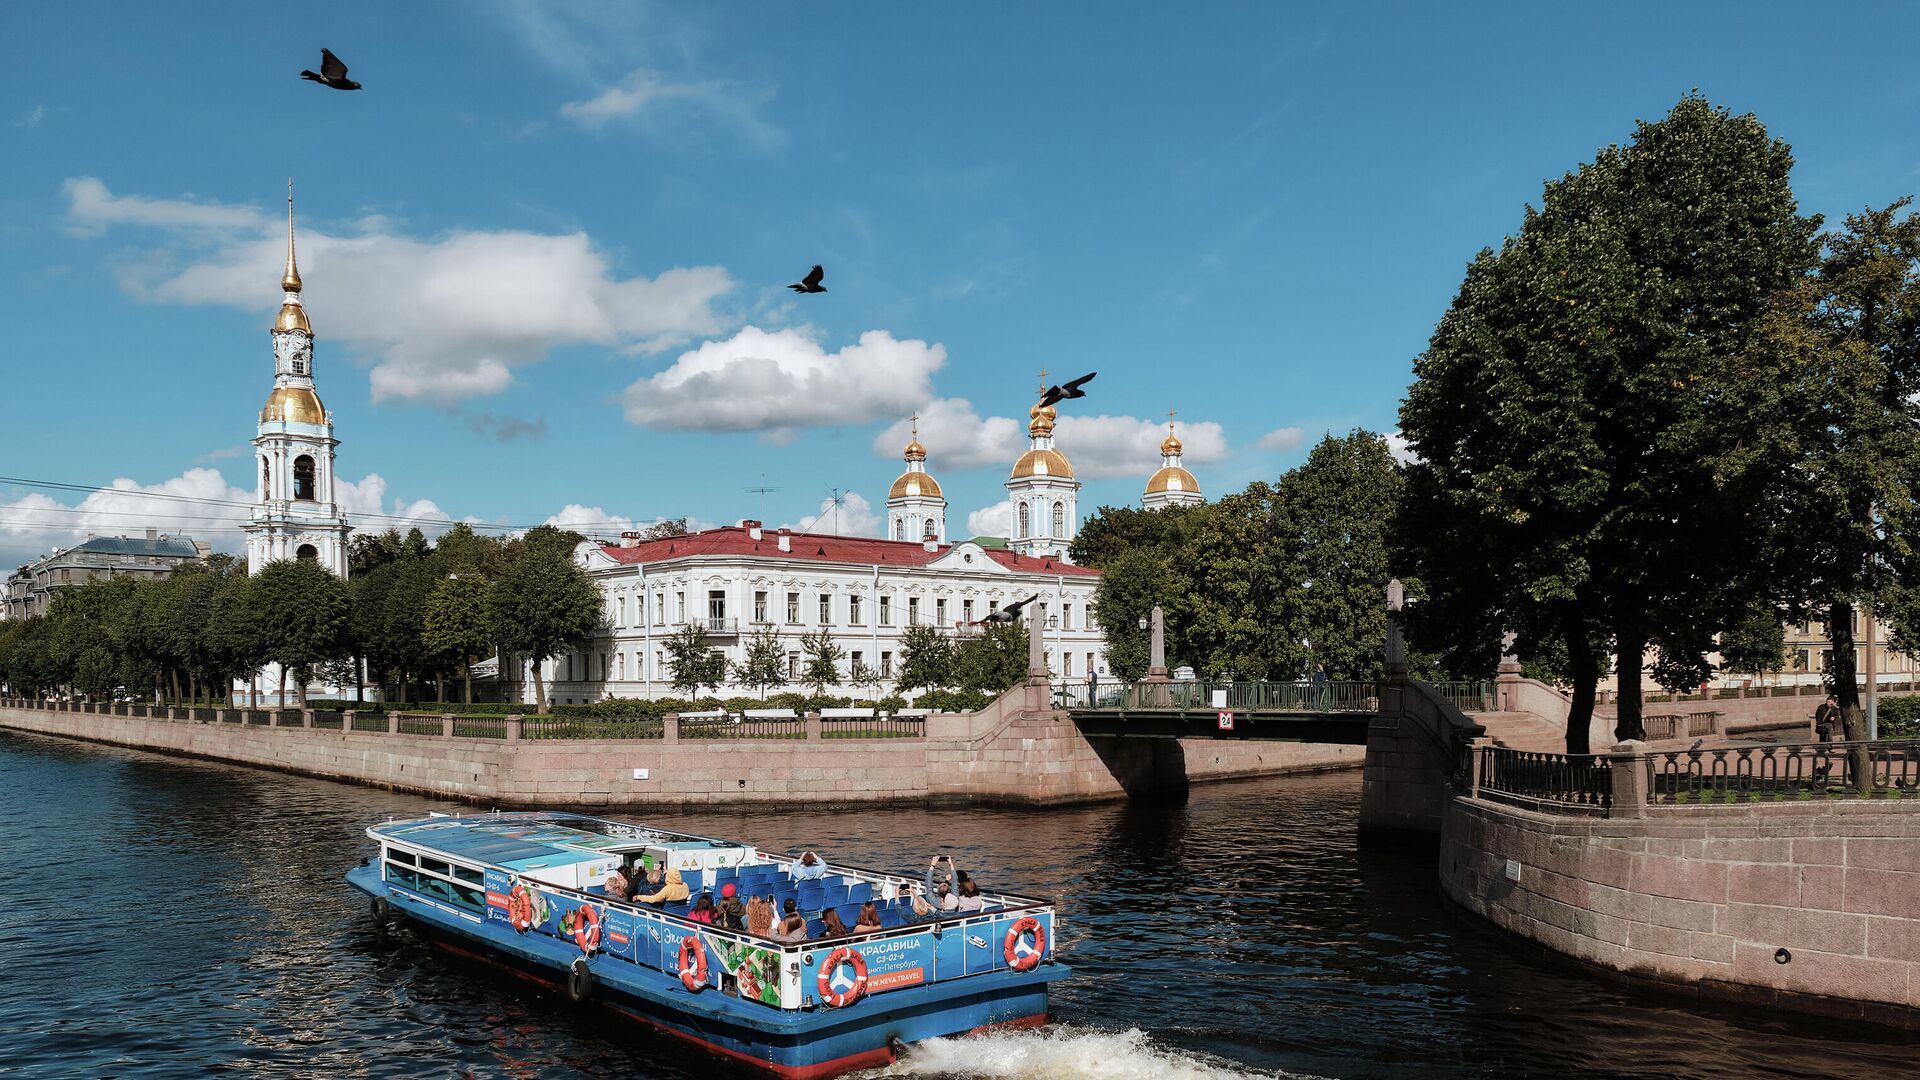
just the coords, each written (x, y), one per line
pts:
(1058, 1052)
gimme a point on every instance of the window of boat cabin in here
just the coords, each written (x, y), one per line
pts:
(436, 878)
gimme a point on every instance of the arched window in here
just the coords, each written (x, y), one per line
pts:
(930, 533)
(303, 477)
(1059, 520)
(899, 528)
(306, 551)
(1024, 525)
(266, 479)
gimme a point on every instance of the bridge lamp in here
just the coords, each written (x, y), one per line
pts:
(1143, 622)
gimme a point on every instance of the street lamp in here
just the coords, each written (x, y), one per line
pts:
(1143, 622)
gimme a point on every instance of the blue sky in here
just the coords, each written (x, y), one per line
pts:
(545, 248)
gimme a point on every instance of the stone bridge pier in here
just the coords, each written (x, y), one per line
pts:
(1416, 744)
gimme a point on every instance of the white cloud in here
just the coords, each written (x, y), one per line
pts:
(1398, 446)
(995, 520)
(1282, 440)
(1106, 447)
(590, 521)
(853, 517)
(33, 117)
(363, 501)
(776, 381)
(651, 100)
(955, 437)
(442, 318)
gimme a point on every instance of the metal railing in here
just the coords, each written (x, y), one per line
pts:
(1467, 696)
(369, 722)
(873, 727)
(1198, 696)
(332, 721)
(591, 727)
(729, 726)
(416, 724)
(1783, 773)
(480, 727)
(1582, 780)
(713, 625)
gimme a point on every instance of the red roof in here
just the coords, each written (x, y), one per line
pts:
(863, 550)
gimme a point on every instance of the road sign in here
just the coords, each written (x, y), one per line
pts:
(1226, 719)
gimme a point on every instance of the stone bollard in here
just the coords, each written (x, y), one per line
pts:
(1477, 765)
(812, 723)
(393, 723)
(670, 728)
(306, 718)
(516, 728)
(1629, 779)
(446, 726)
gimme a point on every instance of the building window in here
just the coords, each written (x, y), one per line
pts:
(1066, 615)
(760, 607)
(913, 611)
(659, 609)
(603, 667)
(854, 660)
(853, 610)
(793, 608)
(886, 611)
(793, 666)
(623, 611)
(899, 528)
(306, 551)
(1023, 521)
(620, 666)
(940, 611)
(966, 611)
(1059, 519)
(659, 661)
(303, 478)
(826, 609)
(716, 610)
(679, 607)
(886, 665)
(1066, 664)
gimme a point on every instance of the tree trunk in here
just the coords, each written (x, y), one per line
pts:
(300, 684)
(539, 689)
(1584, 670)
(359, 680)
(1841, 675)
(283, 687)
(439, 688)
(1630, 652)
(467, 670)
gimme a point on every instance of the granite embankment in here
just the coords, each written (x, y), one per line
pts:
(1016, 751)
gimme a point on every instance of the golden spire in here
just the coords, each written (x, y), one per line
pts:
(290, 281)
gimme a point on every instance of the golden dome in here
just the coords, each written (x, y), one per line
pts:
(293, 404)
(1040, 421)
(292, 317)
(1043, 463)
(1173, 478)
(915, 483)
(1171, 445)
(916, 452)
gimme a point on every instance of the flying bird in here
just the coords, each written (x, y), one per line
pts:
(1010, 613)
(810, 283)
(332, 73)
(1070, 390)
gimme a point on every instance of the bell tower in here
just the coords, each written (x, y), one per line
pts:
(294, 513)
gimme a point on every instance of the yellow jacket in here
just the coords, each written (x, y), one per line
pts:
(671, 891)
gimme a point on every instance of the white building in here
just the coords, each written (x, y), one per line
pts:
(1042, 490)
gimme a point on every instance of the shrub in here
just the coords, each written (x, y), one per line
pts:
(954, 701)
(1899, 717)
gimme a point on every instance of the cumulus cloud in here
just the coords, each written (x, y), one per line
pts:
(1282, 440)
(1401, 450)
(442, 318)
(651, 100)
(853, 516)
(955, 436)
(995, 520)
(1106, 447)
(590, 521)
(774, 382)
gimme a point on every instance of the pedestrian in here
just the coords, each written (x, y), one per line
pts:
(1825, 719)
(1319, 685)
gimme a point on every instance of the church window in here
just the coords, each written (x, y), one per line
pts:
(299, 366)
(303, 478)
(899, 528)
(307, 551)
(1059, 520)
(1023, 520)
(266, 481)
(930, 533)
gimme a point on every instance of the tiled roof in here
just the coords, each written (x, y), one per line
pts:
(172, 547)
(861, 550)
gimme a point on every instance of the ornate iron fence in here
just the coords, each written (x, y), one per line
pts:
(365, 721)
(327, 718)
(1782, 773)
(1577, 780)
(1467, 696)
(583, 727)
(480, 727)
(1191, 695)
(873, 727)
(417, 724)
(729, 726)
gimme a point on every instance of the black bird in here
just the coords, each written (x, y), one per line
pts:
(1070, 390)
(332, 73)
(810, 283)
(1010, 613)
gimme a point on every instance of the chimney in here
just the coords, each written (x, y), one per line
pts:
(930, 544)
(786, 540)
(153, 533)
(753, 528)
(629, 539)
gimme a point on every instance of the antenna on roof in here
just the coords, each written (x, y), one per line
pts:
(831, 510)
(763, 491)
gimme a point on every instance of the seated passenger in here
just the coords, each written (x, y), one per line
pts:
(970, 898)
(618, 886)
(834, 927)
(807, 867)
(672, 892)
(939, 892)
(730, 913)
(869, 919)
(918, 901)
(702, 911)
(792, 930)
(760, 916)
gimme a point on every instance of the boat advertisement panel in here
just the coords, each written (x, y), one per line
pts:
(893, 963)
(619, 934)
(755, 969)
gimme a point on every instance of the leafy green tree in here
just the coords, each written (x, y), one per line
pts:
(763, 664)
(543, 604)
(302, 613)
(926, 659)
(1334, 515)
(821, 664)
(993, 661)
(1113, 531)
(693, 662)
(865, 676)
(1128, 589)
(1235, 591)
(457, 625)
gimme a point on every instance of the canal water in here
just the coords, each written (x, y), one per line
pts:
(168, 917)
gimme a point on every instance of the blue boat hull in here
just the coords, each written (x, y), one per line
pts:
(796, 1044)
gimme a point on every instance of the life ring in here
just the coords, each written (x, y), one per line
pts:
(1028, 961)
(842, 998)
(520, 909)
(586, 929)
(693, 963)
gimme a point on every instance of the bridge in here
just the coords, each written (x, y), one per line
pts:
(1299, 711)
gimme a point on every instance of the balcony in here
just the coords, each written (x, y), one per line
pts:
(715, 627)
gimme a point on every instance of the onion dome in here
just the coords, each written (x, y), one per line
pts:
(1172, 478)
(293, 404)
(915, 483)
(1040, 420)
(1047, 462)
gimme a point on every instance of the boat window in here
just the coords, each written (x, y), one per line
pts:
(468, 873)
(396, 855)
(468, 898)
(433, 866)
(400, 875)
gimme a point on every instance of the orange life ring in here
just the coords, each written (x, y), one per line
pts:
(693, 963)
(841, 998)
(586, 929)
(1016, 961)
(520, 909)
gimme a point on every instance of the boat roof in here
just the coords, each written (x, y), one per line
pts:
(513, 839)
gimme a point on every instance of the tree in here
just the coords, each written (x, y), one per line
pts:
(1113, 531)
(1128, 589)
(543, 604)
(822, 660)
(763, 664)
(1234, 592)
(926, 659)
(301, 611)
(1756, 644)
(457, 626)
(692, 662)
(993, 661)
(1334, 515)
(865, 677)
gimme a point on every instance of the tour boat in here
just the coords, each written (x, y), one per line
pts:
(526, 891)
